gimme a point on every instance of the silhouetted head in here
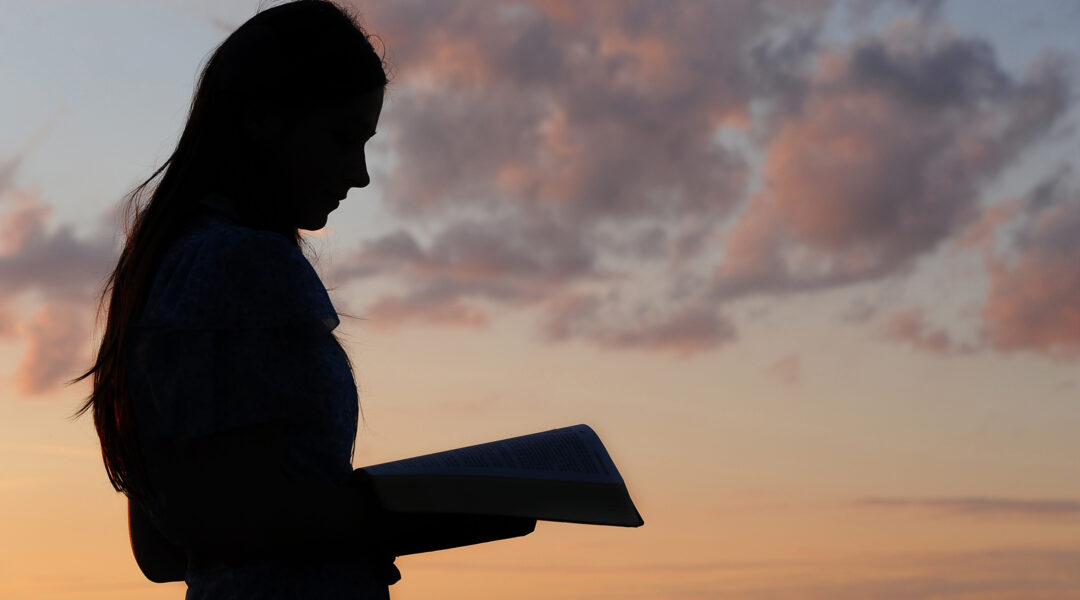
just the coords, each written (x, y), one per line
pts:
(278, 124)
(284, 107)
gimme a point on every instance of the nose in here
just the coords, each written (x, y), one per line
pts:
(357, 174)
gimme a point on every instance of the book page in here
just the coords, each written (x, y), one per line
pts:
(569, 453)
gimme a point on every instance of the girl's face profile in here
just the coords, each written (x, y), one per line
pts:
(323, 157)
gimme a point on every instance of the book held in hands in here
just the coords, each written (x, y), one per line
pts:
(563, 474)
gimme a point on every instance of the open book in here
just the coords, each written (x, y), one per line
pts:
(559, 475)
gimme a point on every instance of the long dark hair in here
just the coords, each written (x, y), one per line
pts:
(289, 59)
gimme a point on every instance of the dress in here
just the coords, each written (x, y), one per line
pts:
(237, 331)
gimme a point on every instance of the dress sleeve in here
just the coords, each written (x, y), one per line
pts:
(197, 382)
(229, 335)
(230, 277)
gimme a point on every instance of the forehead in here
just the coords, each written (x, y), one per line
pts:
(363, 109)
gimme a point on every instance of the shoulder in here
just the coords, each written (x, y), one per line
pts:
(233, 253)
(222, 275)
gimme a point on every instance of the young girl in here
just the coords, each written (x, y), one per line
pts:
(225, 406)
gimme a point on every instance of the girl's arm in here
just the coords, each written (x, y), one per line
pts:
(230, 502)
(412, 533)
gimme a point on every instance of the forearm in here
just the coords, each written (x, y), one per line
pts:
(281, 517)
(426, 532)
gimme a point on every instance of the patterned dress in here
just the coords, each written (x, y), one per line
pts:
(237, 331)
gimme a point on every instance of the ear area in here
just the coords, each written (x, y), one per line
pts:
(262, 125)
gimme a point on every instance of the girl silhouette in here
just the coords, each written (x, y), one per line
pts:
(225, 406)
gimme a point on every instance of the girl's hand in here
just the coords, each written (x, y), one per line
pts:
(380, 542)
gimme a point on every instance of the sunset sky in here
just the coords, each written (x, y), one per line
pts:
(810, 269)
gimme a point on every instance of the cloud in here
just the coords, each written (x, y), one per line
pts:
(909, 327)
(787, 369)
(552, 149)
(391, 311)
(925, 10)
(508, 261)
(1031, 246)
(859, 310)
(690, 329)
(1033, 301)
(604, 111)
(983, 506)
(62, 272)
(991, 574)
(54, 263)
(885, 160)
(505, 258)
(597, 161)
(683, 331)
(56, 336)
(8, 322)
(998, 574)
(8, 168)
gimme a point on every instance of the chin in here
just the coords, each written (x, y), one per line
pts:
(315, 220)
(313, 224)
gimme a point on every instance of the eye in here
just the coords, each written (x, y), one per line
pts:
(342, 137)
(350, 136)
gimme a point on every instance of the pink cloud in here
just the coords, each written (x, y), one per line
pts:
(1034, 298)
(64, 271)
(511, 261)
(556, 127)
(787, 369)
(909, 327)
(885, 160)
(8, 322)
(550, 147)
(390, 312)
(985, 506)
(48, 260)
(56, 338)
(687, 330)
(24, 223)
(605, 110)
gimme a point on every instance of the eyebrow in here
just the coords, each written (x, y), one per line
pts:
(360, 131)
(367, 126)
